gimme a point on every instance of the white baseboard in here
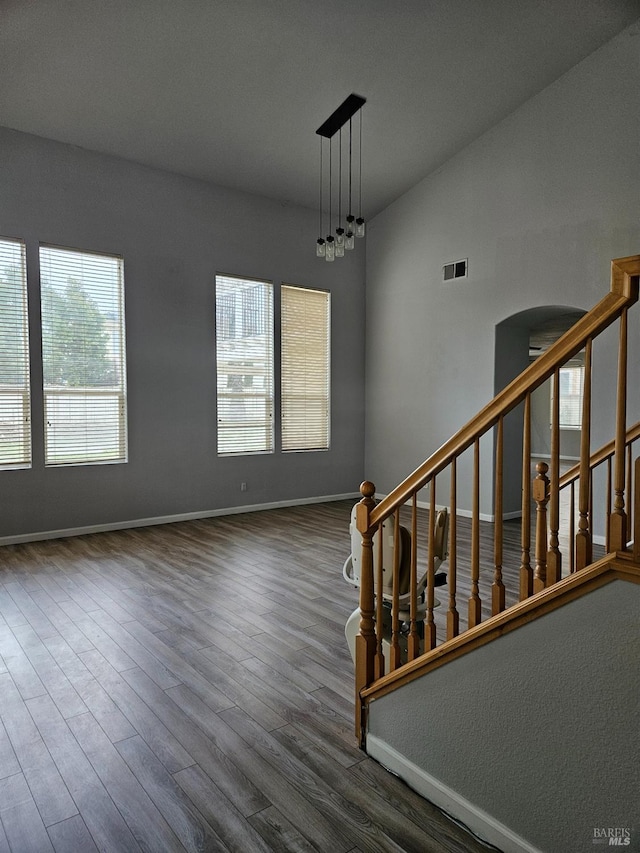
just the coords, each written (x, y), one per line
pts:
(548, 456)
(167, 519)
(508, 516)
(466, 513)
(474, 818)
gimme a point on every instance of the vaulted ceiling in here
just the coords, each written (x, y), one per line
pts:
(232, 91)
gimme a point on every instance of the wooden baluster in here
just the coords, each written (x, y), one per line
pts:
(607, 540)
(366, 637)
(497, 588)
(475, 605)
(541, 497)
(413, 641)
(430, 625)
(591, 499)
(453, 617)
(554, 558)
(583, 536)
(379, 667)
(572, 529)
(394, 651)
(636, 513)
(629, 481)
(526, 572)
(618, 520)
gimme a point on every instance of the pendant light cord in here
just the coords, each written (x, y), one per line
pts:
(340, 184)
(330, 182)
(350, 141)
(360, 169)
(320, 211)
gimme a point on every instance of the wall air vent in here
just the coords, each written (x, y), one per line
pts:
(457, 269)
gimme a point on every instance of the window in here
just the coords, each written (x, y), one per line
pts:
(305, 369)
(83, 357)
(244, 350)
(571, 385)
(15, 407)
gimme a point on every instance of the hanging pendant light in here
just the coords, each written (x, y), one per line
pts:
(331, 247)
(349, 241)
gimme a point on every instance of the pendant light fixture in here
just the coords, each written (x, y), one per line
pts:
(334, 245)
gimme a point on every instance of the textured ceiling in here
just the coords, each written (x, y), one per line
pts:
(547, 332)
(233, 92)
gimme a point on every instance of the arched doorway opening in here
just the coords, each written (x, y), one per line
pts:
(519, 340)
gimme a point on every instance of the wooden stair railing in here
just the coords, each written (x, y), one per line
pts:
(374, 652)
(604, 456)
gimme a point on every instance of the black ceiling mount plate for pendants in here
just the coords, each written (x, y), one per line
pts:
(348, 108)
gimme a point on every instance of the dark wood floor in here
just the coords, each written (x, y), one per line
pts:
(188, 687)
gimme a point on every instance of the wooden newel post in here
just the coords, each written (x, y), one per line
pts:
(366, 638)
(541, 497)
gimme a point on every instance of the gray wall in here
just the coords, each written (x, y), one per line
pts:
(539, 728)
(539, 205)
(511, 358)
(174, 234)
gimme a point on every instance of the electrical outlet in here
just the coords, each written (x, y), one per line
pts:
(243, 487)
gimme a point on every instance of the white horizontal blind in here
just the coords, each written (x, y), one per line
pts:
(15, 408)
(83, 357)
(244, 350)
(571, 386)
(305, 368)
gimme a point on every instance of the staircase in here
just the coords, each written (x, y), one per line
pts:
(558, 576)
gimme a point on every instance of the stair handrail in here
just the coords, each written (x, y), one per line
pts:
(625, 277)
(599, 456)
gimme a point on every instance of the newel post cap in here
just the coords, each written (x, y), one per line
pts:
(367, 489)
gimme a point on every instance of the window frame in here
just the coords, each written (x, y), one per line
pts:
(79, 396)
(244, 320)
(577, 371)
(295, 401)
(19, 421)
